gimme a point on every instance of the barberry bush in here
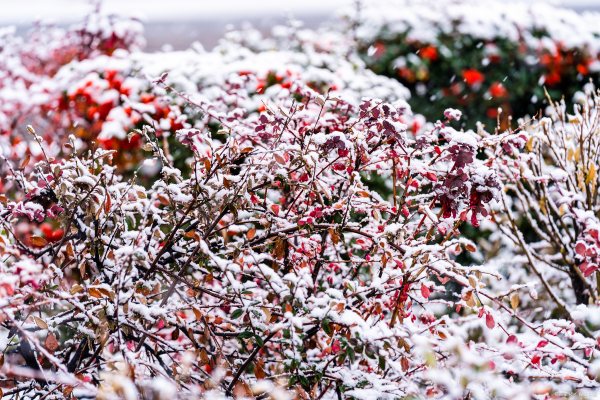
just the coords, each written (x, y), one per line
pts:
(479, 56)
(274, 257)
(270, 219)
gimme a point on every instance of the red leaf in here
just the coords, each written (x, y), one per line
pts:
(425, 291)
(431, 176)
(512, 339)
(489, 321)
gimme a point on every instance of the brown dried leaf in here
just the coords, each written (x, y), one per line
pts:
(107, 204)
(279, 159)
(25, 161)
(197, 314)
(69, 250)
(38, 241)
(259, 372)
(94, 292)
(51, 343)
(404, 364)
(280, 248)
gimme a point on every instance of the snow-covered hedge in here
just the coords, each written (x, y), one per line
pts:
(101, 96)
(480, 55)
(270, 219)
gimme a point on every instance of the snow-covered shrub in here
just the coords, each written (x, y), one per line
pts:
(101, 96)
(551, 201)
(27, 62)
(278, 257)
(478, 56)
(300, 237)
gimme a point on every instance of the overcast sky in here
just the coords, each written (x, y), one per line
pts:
(25, 11)
(181, 22)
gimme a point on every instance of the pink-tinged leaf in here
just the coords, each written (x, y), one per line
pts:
(481, 311)
(405, 211)
(589, 269)
(512, 339)
(489, 321)
(580, 249)
(425, 291)
(335, 346)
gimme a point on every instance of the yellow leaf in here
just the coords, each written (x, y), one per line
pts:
(472, 281)
(76, 288)
(542, 203)
(40, 323)
(470, 299)
(591, 174)
(529, 145)
(514, 300)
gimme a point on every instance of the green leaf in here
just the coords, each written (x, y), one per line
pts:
(351, 353)
(237, 313)
(326, 325)
(303, 381)
(245, 335)
(382, 363)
